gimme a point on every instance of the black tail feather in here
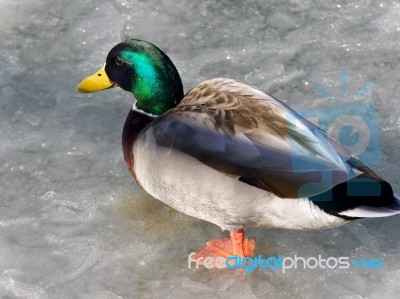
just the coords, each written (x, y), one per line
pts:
(355, 193)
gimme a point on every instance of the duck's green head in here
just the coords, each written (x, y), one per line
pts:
(143, 69)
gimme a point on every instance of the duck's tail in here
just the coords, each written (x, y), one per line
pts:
(360, 198)
(390, 209)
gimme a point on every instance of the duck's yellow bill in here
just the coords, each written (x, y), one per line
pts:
(96, 82)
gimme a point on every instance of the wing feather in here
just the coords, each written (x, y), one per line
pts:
(244, 132)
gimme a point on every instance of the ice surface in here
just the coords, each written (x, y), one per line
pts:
(73, 224)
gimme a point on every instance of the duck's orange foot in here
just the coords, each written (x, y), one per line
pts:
(216, 251)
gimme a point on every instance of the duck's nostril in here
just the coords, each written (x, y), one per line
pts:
(99, 75)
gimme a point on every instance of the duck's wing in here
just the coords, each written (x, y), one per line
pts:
(244, 132)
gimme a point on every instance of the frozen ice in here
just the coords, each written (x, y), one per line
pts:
(73, 224)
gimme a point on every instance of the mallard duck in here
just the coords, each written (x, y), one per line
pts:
(233, 155)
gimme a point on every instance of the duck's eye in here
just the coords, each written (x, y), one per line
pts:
(119, 61)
